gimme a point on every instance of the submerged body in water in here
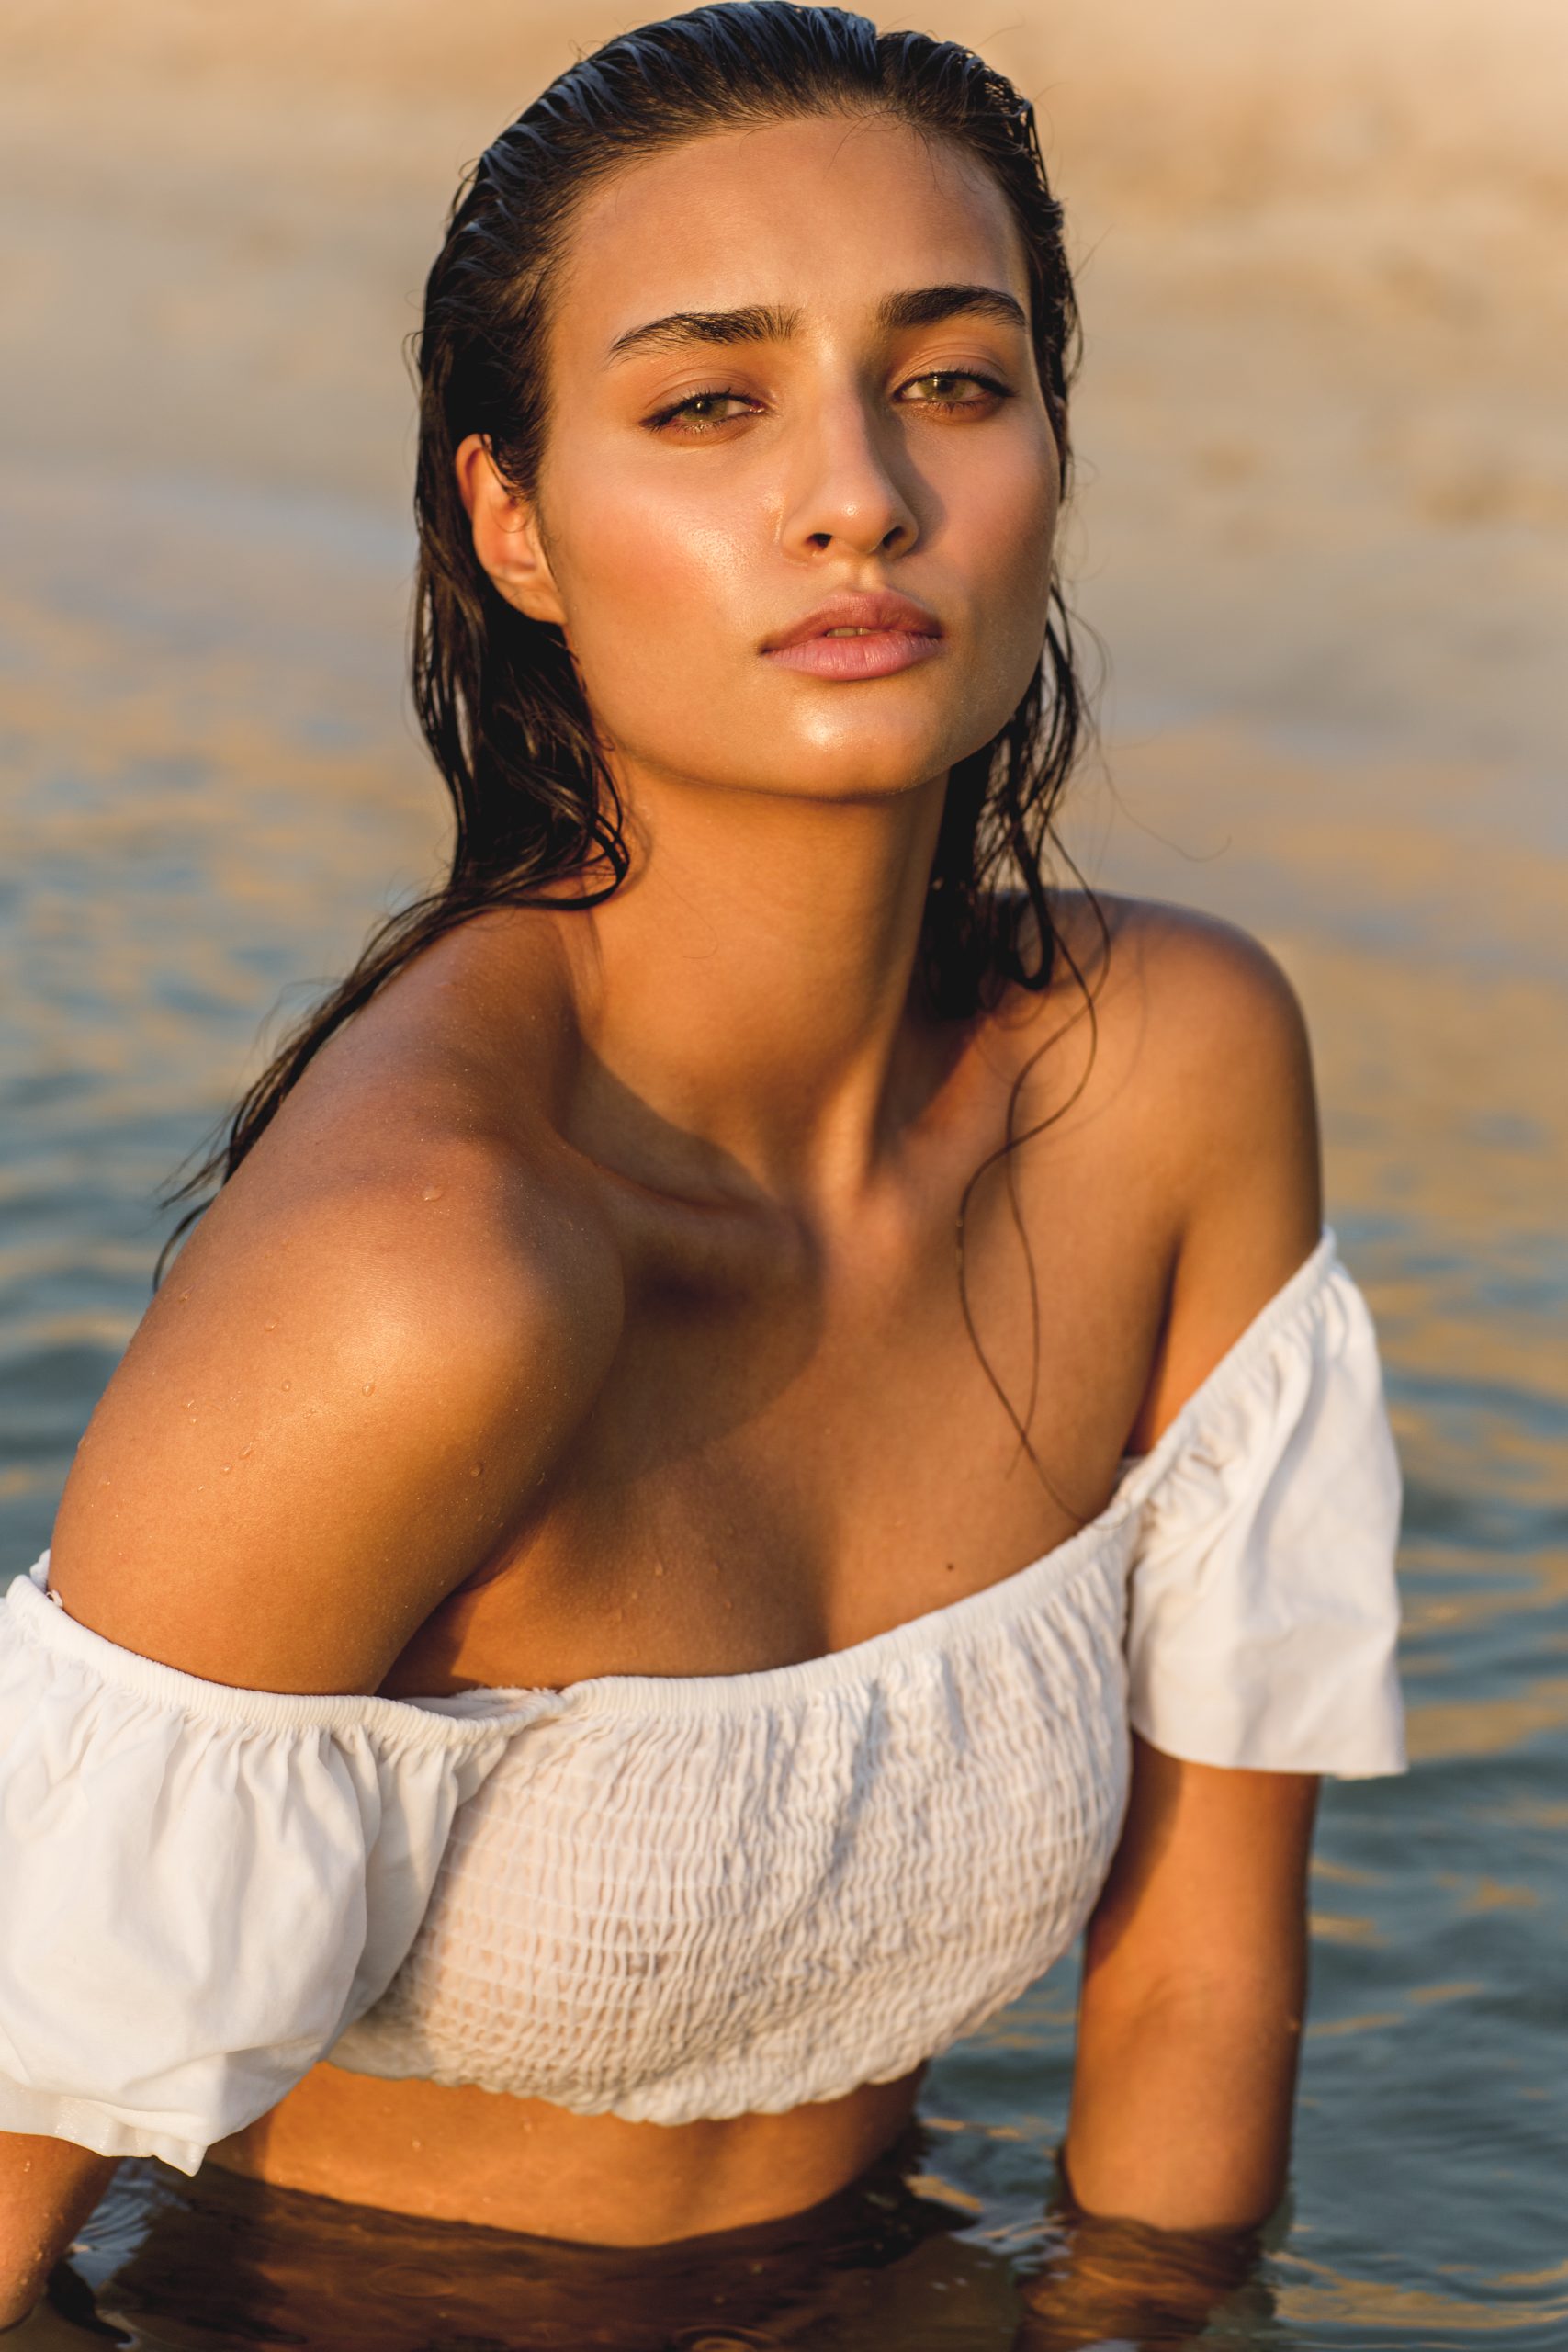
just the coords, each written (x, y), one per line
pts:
(632, 1283)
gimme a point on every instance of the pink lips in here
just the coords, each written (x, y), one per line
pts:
(891, 633)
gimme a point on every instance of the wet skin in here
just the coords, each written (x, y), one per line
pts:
(590, 1306)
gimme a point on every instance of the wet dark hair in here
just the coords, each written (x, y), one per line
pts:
(538, 818)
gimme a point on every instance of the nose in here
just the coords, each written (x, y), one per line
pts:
(846, 491)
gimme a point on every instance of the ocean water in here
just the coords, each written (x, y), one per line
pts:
(207, 790)
(1322, 524)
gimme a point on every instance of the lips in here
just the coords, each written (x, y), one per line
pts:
(875, 612)
(857, 636)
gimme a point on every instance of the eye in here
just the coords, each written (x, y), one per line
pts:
(702, 412)
(952, 391)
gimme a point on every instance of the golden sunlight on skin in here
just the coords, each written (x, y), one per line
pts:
(699, 1151)
(838, 457)
(519, 2164)
(847, 456)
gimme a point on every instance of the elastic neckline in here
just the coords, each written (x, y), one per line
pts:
(471, 1717)
(467, 1720)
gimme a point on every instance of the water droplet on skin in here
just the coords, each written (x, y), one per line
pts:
(270, 1327)
(433, 1191)
(189, 1403)
(288, 1384)
(476, 1470)
(368, 1386)
(244, 1451)
(183, 1295)
(228, 1465)
(658, 1571)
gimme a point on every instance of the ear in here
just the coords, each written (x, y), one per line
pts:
(506, 535)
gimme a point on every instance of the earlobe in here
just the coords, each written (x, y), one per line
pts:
(506, 534)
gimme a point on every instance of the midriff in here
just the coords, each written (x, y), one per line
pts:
(473, 2155)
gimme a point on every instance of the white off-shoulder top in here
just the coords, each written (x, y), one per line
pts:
(670, 1898)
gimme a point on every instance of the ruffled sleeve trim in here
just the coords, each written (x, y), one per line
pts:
(205, 1886)
(1293, 1305)
(1263, 1610)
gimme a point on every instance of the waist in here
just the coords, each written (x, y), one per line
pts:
(465, 2155)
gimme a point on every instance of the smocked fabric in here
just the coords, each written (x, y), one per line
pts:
(670, 1898)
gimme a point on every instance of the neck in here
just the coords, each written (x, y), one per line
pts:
(750, 983)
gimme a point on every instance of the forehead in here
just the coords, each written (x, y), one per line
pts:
(827, 214)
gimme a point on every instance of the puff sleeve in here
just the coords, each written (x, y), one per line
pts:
(199, 1886)
(1263, 1612)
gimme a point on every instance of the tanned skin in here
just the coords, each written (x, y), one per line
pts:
(590, 1306)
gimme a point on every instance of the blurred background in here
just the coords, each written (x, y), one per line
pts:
(1322, 524)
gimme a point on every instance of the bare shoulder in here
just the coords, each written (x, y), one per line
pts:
(356, 1378)
(1190, 1029)
(1216, 1027)
(1222, 1099)
(1198, 1106)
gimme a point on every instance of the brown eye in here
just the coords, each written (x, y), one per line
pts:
(702, 412)
(951, 389)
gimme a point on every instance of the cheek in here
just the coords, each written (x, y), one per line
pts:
(654, 586)
(1000, 539)
(1003, 534)
(649, 579)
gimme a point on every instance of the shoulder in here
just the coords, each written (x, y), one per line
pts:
(1189, 982)
(1198, 1096)
(1186, 1028)
(1208, 1020)
(358, 1375)
(1222, 1102)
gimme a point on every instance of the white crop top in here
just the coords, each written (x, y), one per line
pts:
(670, 1898)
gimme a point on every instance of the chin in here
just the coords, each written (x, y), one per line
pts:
(845, 775)
(871, 762)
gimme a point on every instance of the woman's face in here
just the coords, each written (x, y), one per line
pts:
(790, 375)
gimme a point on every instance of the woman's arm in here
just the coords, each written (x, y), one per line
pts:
(48, 2188)
(337, 1406)
(1194, 1987)
(350, 1390)
(1195, 1958)
(1188, 2026)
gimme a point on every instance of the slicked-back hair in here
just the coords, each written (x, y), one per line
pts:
(538, 818)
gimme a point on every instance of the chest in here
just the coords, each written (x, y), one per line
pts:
(796, 1451)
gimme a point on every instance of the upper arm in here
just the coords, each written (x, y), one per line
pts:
(1231, 1114)
(1207, 1888)
(356, 1376)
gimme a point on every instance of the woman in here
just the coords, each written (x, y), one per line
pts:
(533, 1714)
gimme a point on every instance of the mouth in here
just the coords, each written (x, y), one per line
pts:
(867, 635)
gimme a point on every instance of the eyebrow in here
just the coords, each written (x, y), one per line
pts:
(927, 306)
(921, 306)
(757, 322)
